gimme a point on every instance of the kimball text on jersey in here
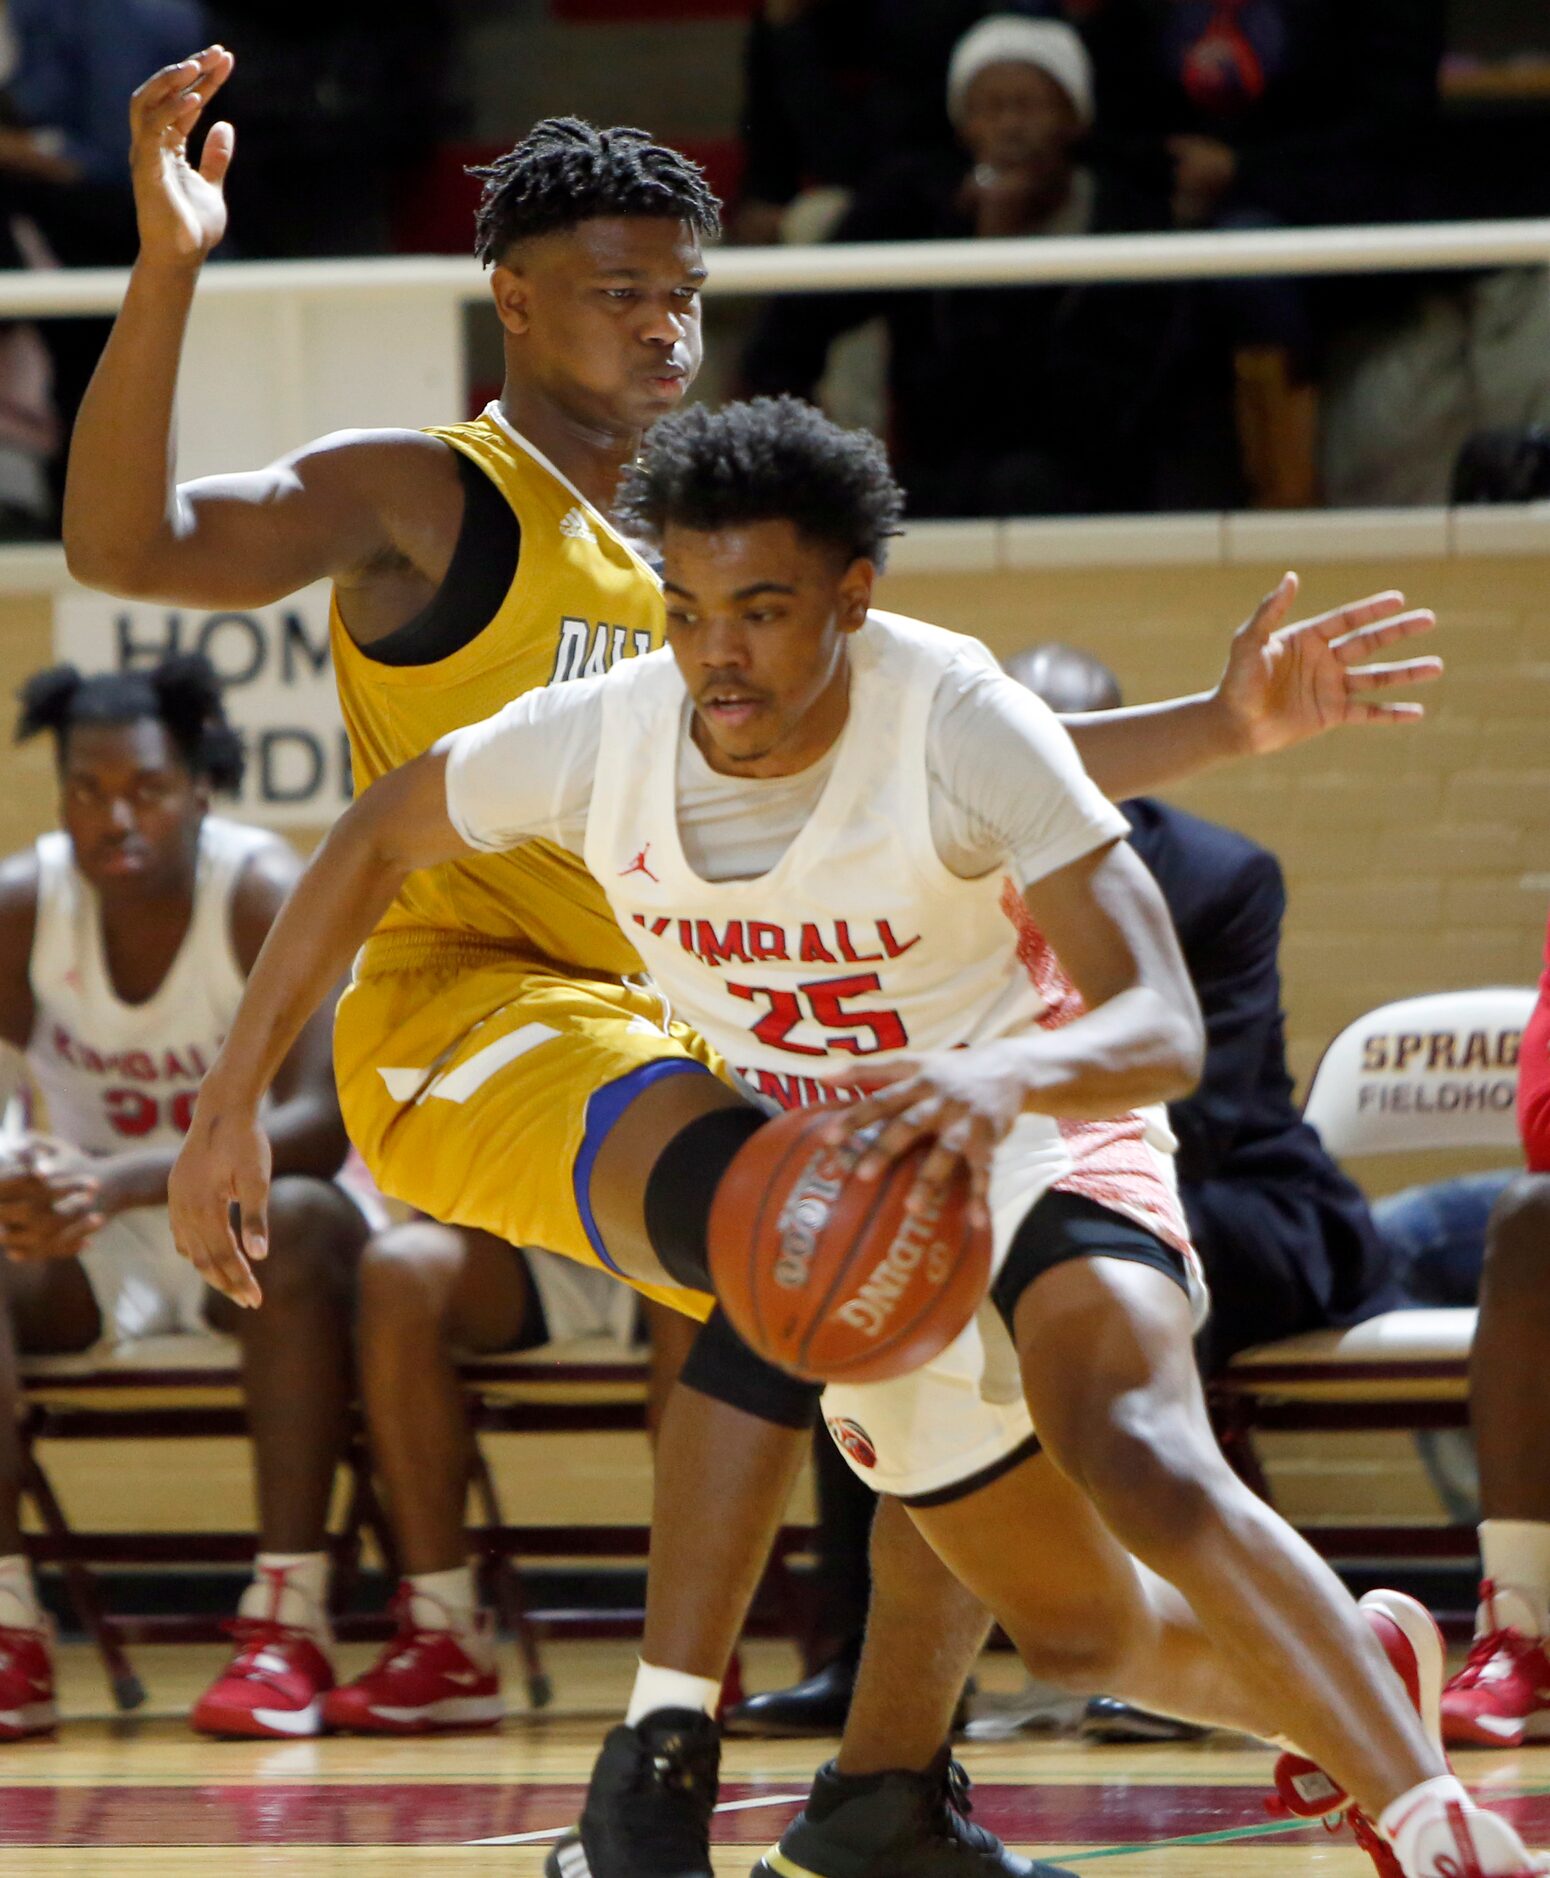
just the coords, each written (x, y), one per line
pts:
(814, 942)
(186, 1064)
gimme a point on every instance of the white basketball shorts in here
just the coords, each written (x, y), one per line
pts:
(960, 1421)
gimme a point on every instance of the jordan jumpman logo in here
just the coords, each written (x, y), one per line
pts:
(638, 866)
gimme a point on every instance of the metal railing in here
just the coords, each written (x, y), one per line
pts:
(1417, 247)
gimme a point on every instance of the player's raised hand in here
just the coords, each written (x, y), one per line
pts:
(1287, 682)
(222, 1170)
(181, 209)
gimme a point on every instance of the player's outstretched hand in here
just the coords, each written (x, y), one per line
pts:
(218, 1200)
(1287, 682)
(181, 209)
(964, 1102)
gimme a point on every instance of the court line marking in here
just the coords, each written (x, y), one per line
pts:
(729, 1806)
(1234, 1835)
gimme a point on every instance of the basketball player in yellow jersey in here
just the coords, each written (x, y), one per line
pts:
(495, 1067)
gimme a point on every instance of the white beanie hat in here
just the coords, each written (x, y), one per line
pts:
(1008, 38)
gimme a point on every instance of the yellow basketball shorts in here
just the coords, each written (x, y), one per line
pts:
(479, 1088)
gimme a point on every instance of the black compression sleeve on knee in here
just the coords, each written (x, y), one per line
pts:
(721, 1365)
(682, 1185)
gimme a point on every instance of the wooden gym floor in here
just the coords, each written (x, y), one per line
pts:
(143, 1796)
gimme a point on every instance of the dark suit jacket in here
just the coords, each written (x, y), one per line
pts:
(1227, 899)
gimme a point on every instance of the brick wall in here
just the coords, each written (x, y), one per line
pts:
(26, 775)
(1416, 859)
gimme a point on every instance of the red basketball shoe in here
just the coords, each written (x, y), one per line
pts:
(1413, 1644)
(424, 1682)
(1465, 1842)
(1501, 1697)
(1371, 1841)
(275, 1683)
(27, 1704)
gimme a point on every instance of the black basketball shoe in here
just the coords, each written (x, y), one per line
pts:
(649, 1802)
(895, 1825)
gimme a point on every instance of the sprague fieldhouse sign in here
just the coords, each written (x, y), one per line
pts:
(279, 680)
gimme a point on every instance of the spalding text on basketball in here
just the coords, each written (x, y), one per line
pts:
(871, 1307)
(805, 1214)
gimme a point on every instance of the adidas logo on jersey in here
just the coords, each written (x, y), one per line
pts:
(576, 527)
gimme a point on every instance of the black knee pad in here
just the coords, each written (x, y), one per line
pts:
(722, 1366)
(1064, 1226)
(681, 1186)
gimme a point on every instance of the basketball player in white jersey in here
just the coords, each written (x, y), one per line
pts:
(125, 940)
(594, 239)
(806, 817)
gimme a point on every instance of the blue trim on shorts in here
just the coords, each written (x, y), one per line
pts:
(604, 1107)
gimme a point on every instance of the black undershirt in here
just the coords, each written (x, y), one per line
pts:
(483, 566)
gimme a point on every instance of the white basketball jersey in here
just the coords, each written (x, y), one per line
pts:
(114, 1075)
(859, 944)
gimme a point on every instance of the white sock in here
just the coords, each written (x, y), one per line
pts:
(1515, 1556)
(19, 1608)
(669, 1688)
(289, 1588)
(444, 1600)
(1423, 1828)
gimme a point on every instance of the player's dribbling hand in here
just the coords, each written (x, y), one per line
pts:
(218, 1200)
(964, 1102)
(181, 210)
(1286, 683)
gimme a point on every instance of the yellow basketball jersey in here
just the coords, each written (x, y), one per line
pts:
(581, 599)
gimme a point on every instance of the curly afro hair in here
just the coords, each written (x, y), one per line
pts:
(565, 171)
(769, 459)
(182, 693)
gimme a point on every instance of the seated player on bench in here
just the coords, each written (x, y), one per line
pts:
(125, 939)
(428, 1294)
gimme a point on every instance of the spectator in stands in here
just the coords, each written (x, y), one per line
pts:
(29, 431)
(1502, 1695)
(1270, 113)
(125, 940)
(832, 88)
(1285, 1237)
(1037, 400)
(808, 93)
(77, 62)
(64, 148)
(1303, 111)
(347, 90)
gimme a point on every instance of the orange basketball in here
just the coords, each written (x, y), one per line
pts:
(828, 1276)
